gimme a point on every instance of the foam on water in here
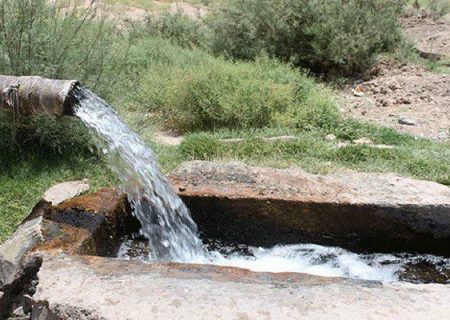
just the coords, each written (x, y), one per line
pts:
(316, 260)
(165, 220)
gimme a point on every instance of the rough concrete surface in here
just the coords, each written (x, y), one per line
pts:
(266, 206)
(237, 179)
(124, 290)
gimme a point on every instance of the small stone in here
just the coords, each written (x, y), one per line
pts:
(358, 91)
(407, 121)
(384, 90)
(343, 144)
(330, 137)
(403, 101)
(383, 102)
(66, 190)
(362, 141)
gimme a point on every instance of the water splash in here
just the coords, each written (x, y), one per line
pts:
(314, 259)
(165, 220)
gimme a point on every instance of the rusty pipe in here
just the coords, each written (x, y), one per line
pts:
(31, 94)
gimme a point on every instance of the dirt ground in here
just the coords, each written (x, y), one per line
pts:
(408, 98)
(405, 97)
(124, 12)
(429, 35)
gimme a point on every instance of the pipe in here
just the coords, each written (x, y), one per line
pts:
(30, 94)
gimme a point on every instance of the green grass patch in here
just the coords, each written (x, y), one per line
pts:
(418, 158)
(25, 178)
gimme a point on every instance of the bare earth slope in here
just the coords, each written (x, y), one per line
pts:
(405, 97)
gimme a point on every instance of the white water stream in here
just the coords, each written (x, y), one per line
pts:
(165, 220)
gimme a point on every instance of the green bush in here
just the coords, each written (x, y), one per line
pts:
(43, 134)
(39, 39)
(340, 36)
(178, 28)
(439, 8)
(192, 90)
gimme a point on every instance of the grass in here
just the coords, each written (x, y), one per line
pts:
(24, 181)
(418, 158)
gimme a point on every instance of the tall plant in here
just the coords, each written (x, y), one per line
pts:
(39, 38)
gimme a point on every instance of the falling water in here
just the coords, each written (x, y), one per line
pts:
(165, 220)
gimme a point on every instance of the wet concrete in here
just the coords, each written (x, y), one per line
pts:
(130, 290)
(93, 224)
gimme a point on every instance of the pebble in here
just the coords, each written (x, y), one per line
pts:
(363, 141)
(407, 121)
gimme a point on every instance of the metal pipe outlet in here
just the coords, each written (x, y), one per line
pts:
(30, 94)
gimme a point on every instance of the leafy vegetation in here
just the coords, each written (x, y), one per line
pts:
(191, 90)
(38, 39)
(341, 36)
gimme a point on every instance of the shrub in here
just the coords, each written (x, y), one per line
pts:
(192, 90)
(38, 39)
(439, 8)
(341, 36)
(189, 89)
(178, 28)
(43, 135)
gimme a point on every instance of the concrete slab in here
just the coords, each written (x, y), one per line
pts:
(357, 211)
(113, 289)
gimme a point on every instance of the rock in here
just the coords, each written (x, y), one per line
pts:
(42, 311)
(113, 289)
(357, 211)
(330, 137)
(407, 121)
(14, 250)
(18, 276)
(403, 101)
(358, 91)
(167, 138)
(18, 314)
(363, 141)
(17, 268)
(90, 224)
(343, 144)
(66, 190)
